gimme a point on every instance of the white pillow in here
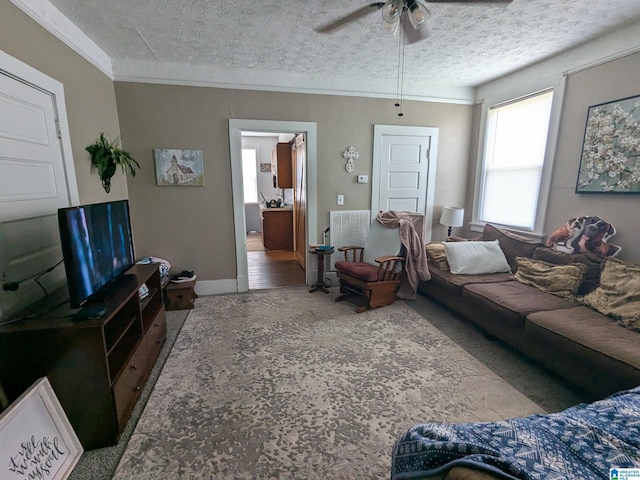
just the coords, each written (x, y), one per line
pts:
(474, 258)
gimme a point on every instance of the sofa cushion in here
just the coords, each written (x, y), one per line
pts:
(362, 271)
(607, 355)
(618, 295)
(510, 301)
(560, 280)
(591, 261)
(460, 280)
(474, 258)
(512, 244)
(437, 255)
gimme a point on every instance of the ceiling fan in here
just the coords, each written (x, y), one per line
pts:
(392, 14)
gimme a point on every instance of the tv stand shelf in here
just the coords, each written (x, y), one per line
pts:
(97, 367)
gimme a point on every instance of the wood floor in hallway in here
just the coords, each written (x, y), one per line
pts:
(271, 268)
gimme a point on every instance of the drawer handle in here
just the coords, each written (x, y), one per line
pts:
(134, 367)
(158, 342)
(137, 389)
(156, 324)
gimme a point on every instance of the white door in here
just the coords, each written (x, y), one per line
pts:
(32, 175)
(36, 178)
(404, 166)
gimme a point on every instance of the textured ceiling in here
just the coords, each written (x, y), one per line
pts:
(273, 43)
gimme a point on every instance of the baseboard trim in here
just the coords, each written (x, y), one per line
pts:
(214, 287)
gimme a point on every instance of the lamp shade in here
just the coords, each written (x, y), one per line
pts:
(391, 11)
(452, 216)
(418, 13)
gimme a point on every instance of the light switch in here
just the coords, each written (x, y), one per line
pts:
(363, 178)
(340, 199)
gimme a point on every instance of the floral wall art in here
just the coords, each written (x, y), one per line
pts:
(610, 161)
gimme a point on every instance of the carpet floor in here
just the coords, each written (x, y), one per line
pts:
(286, 384)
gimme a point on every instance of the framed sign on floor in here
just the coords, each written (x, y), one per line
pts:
(36, 438)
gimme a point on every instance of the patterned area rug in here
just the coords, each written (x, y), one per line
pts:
(286, 384)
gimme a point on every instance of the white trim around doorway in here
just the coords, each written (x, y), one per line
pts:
(236, 127)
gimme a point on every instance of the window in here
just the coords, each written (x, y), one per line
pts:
(513, 161)
(250, 175)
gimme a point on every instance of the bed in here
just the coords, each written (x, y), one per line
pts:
(582, 442)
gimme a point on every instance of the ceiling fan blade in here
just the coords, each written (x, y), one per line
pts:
(350, 17)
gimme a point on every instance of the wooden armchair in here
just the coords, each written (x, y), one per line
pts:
(372, 271)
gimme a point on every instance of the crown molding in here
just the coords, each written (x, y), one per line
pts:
(52, 20)
(237, 78)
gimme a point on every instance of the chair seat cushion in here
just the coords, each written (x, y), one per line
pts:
(362, 271)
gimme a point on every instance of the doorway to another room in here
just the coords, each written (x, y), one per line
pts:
(304, 205)
(272, 201)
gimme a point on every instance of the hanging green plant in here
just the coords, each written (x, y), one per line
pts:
(106, 155)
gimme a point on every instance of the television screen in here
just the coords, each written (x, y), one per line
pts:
(97, 247)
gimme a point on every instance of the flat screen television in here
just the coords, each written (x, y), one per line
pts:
(97, 247)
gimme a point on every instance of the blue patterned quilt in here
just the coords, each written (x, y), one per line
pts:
(582, 442)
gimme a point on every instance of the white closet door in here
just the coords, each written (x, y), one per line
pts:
(32, 174)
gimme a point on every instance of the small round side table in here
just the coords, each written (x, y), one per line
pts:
(320, 284)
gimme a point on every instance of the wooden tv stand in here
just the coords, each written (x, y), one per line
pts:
(97, 367)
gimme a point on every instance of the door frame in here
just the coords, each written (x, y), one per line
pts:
(236, 126)
(398, 130)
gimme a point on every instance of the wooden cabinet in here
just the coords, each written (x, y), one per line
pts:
(276, 225)
(97, 367)
(281, 169)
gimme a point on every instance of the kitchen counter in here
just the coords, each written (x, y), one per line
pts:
(276, 225)
(276, 209)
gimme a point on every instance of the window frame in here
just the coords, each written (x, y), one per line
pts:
(557, 86)
(257, 170)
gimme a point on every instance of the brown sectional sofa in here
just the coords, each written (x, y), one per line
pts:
(588, 349)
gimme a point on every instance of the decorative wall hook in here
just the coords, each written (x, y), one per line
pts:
(350, 154)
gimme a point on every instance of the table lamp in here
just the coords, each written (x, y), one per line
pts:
(452, 217)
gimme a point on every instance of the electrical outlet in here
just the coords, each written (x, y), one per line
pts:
(363, 178)
(340, 199)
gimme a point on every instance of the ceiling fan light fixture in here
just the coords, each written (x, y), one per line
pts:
(418, 13)
(391, 11)
(392, 28)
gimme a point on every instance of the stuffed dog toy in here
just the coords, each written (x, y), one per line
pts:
(562, 239)
(594, 238)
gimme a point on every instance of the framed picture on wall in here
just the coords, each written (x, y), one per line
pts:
(178, 168)
(610, 160)
(265, 167)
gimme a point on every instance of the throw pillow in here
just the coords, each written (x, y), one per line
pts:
(618, 295)
(591, 261)
(475, 258)
(437, 255)
(560, 280)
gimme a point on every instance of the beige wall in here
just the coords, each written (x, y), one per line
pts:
(604, 83)
(193, 227)
(89, 94)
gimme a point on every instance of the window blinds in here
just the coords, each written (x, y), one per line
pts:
(514, 157)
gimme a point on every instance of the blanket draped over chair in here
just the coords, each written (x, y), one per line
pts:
(411, 227)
